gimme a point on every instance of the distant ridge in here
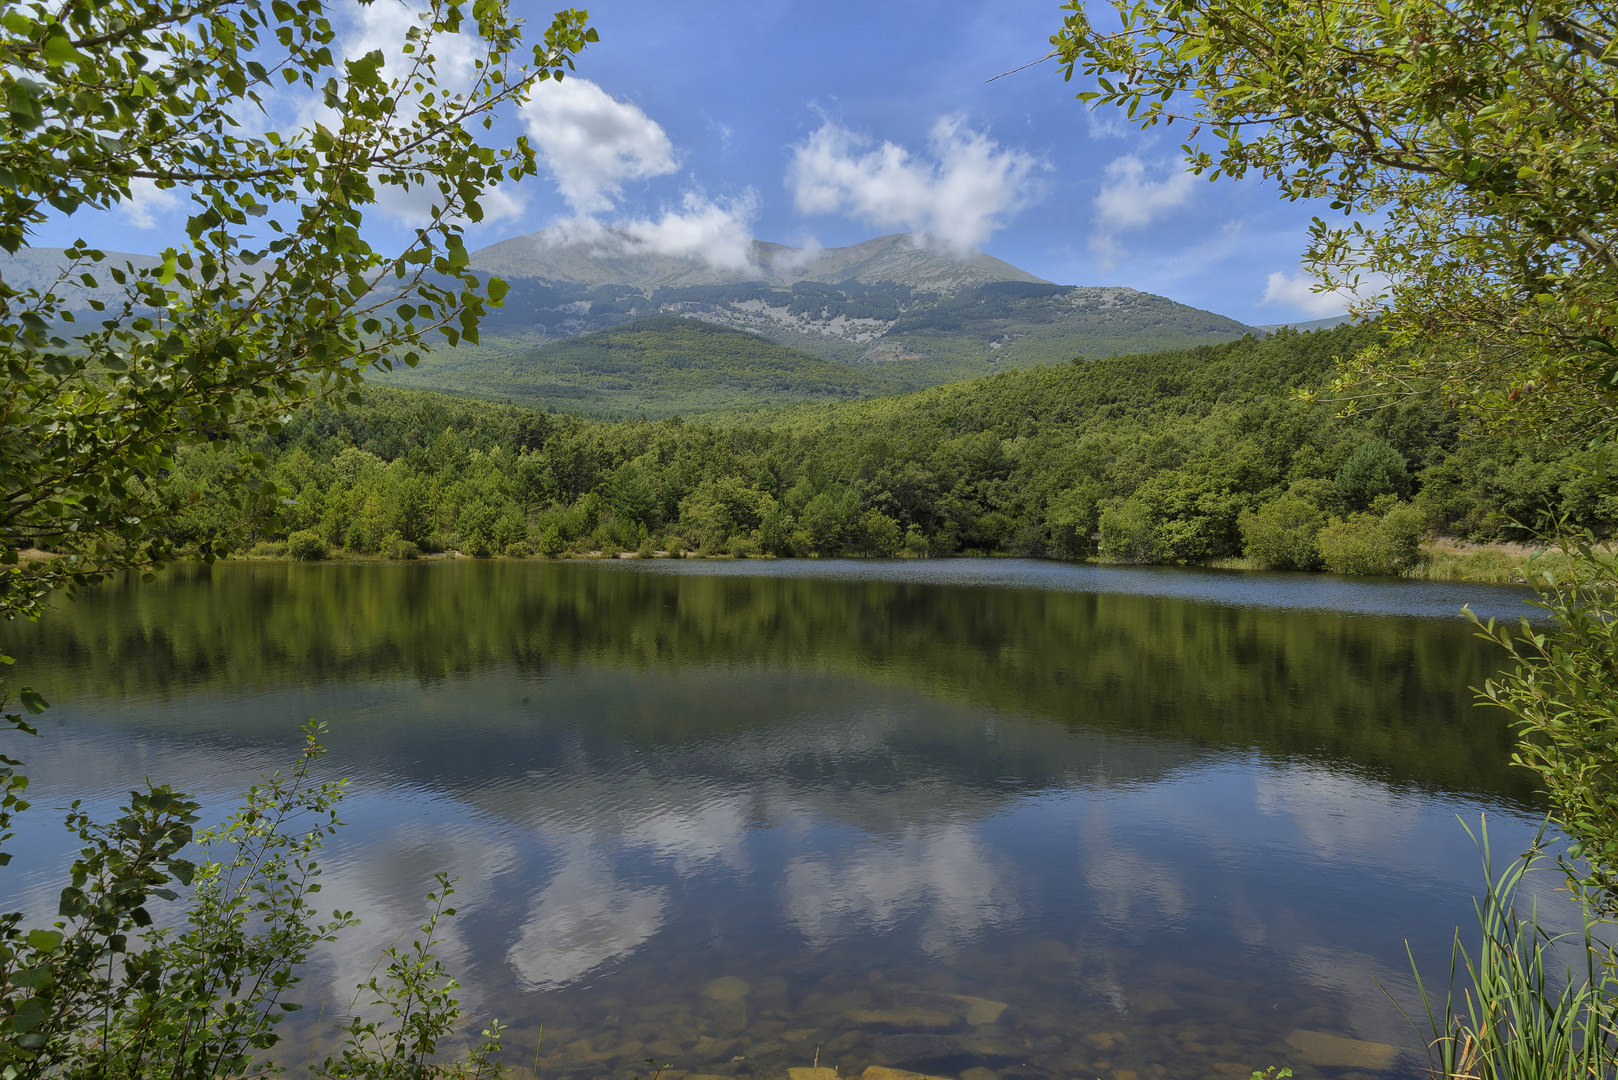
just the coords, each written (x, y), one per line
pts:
(1312, 324)
(40, 268)
(614, 258)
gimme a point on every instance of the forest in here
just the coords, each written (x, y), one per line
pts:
(1185, 457)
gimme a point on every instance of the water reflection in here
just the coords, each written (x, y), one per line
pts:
(946, 876)
(979, 826)
(582, 919)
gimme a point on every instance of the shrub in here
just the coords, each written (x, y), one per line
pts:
(876, 534)
(1373, 543)
(1129, 533)
(1282, 535)
(916, 545)
(269, 549)
(742, 547)
(551, 543)
(646, 550)
(396, 547)
(518, 550)
(204, 997)
(306, 545)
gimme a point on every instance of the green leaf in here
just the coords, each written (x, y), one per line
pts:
(44, 940)
(59, 50)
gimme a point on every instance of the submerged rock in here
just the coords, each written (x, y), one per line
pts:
(1336, 1052)
(1045, 950)
(881, 1072)
(771, 993)
(902, 1018)
(981, 1010)
(812, 1074)
(726, 989)
(914, 1047)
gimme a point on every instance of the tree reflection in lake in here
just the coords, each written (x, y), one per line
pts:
(914, 815)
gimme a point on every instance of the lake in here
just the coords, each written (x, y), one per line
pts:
(987, 819)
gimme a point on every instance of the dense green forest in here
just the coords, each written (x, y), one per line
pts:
(654, 367)
(1186, 456)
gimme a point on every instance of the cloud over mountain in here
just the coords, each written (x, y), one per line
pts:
(956, 200)
(592, 143)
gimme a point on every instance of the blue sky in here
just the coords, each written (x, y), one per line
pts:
(697, 125)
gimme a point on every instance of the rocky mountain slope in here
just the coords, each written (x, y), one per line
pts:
(921, 316)
(613, 258)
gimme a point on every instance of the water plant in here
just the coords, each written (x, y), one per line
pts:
(105, 991)
(1524, 1013)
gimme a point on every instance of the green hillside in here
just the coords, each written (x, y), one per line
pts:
(878, 338)
(653, 367)
(1160, 458)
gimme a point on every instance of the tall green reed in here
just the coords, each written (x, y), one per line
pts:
(1524, 1012)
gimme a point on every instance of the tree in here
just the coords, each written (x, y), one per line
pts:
(275, 296)
(274, 299)
(1478, 134)
(876, 534)
(1383, 540)
(1283, 535)
(1373, 470)
(1481, 138)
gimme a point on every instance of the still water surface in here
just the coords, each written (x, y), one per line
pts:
(978, 819)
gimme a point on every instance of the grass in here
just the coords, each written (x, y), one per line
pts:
(1517, 1016)
(1503, 564)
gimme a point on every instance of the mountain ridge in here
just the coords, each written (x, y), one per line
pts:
(614, 257)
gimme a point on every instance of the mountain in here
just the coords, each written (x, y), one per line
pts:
(614, 258)
(40, 268)
(655, 367)
(888, 313)
(920, 316)
(1303, 327)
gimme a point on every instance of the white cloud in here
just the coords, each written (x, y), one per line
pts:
(694, 837)
(1128, 200)
(1131, 199)
(947, 875)
(386, 28)
(957, 200)
(592, 142)
(581, 920)
(1128, 887)
(1298, 291)
(1107, 126)
(413, 205)
(700, 230)
(146, 201)
(717, 233)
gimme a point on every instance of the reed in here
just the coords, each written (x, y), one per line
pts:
(1518, 1017)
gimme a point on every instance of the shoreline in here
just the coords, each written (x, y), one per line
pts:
(1440, 560)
